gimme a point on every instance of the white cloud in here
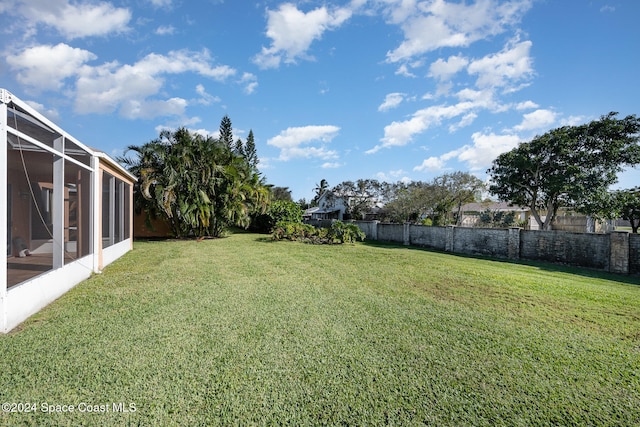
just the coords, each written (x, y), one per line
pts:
(50, 113)
(466, 120)
(539, 119)
(501, 69)
(165, 30)
(393, 176)
(292, 31)
(74, 20)
(485, 148)
(428, 26)
(112, 86)
(161, 3)
(403, 70)
(392, 100)
(181, 61)
(46, 67)
(484, 98)
(296, 142)
(250, 81)
(526, 105)
(398, 134)
(148, 109)
(205, 97)
(432, 164)
(477, 156)
(573, 121)
(331, 165)
(109, 87)
(444, 70)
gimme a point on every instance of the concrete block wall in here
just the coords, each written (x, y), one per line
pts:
(481, 241)
(432, 237)
(579, 249)
(617, 252)
(391, 232)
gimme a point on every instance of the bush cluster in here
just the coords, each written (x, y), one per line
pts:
(338, 233)
(278, 211)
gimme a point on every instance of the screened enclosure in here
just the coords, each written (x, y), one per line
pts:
(67, 213)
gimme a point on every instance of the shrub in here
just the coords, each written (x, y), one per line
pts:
(497, 219)
(345, 233)
(338, 233)
(278, 211)
(427, 221)
(287, 230)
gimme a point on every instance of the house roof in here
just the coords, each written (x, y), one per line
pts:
(317, 209)
(493, 206)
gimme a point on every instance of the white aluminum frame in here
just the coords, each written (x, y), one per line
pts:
(26, 298)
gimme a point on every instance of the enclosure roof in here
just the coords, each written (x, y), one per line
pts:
(40, 125)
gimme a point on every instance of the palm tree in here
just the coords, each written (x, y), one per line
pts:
(319, 189)
(196, 183)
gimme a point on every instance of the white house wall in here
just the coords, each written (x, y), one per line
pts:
(26, 299)
(115, 251)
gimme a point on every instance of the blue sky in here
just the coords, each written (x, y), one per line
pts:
(385, 89)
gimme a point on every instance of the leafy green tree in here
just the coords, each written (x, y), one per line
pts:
(196, 183)
(454, 190)
(303, 203)
(281, 193)
(360, 196)
(409, 202)
(283, 210)
(567, 166)
(278, 211)
(624, 204)
(435, 200)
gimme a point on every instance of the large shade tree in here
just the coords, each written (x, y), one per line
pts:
(197, 183)
(567, 166)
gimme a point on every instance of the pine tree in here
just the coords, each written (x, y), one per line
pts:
(238, 150)
(250, 153)
(226, 132)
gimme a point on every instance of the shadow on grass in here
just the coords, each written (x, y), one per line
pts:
(265, 239)
(547, 266)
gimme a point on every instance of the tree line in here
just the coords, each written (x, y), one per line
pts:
(201, 185)
(569, 167)
(438, 201)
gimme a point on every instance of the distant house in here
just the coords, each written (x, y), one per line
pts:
(329, 206)
(68, 211)
(471, 213)
(566, 219)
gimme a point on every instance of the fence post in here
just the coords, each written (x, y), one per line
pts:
(513, 250)
(406, 238)
(619, 252)
(374, 230)
(448, 245)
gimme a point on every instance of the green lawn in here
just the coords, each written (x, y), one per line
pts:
(246, 331)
